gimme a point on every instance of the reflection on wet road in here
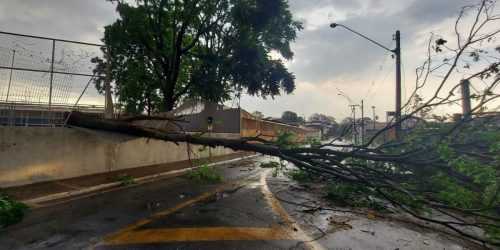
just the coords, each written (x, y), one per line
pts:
(250, 210)
(238, 215)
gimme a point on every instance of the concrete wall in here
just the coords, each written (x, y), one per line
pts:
(35, 154)
(251, 126)
(224, 121)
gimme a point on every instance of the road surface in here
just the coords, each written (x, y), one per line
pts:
(245, 211)
(174, 213)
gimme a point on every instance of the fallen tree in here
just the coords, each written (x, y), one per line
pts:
(414, 181)
(442, 172)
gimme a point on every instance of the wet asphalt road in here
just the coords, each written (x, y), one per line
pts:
(249, 210)
(173, 213)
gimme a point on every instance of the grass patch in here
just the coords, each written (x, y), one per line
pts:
(205, 174)
(11, 211)
(125, 180)
(299, 175)
(270, 164)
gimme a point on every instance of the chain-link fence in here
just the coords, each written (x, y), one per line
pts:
(42, 79)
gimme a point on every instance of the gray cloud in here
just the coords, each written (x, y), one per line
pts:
(308, 5)
(69, 19)
(324, 54)
(324, 58)
(428, 11)
(321, 54)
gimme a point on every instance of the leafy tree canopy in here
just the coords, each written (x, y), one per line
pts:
(347, 120)
(160, 52)
(316, 117)
(290, 116)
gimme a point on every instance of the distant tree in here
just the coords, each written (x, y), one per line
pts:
(292, 117)
(316, 117)
(258, 114)
(329, 125)
(347, 121)
(366, 120)
(162, 51)
(418, 104)
(345, 126)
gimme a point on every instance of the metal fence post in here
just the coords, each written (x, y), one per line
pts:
(51, 72)
(10, 77)
(50, 118)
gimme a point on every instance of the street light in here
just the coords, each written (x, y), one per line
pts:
(346, 97)
(397, 54)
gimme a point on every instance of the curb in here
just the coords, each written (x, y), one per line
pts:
(139, 181)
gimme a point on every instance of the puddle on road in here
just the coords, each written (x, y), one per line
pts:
(254, 185)
(220, 195)
(214, 198)
(157, 205)
(52, 241)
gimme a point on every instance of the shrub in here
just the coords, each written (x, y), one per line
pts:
(355, 195)
(270, 164)
(299, 175)
(205, 174)
(286, 140)
(125, 179)
(11, 211)
(313, 142)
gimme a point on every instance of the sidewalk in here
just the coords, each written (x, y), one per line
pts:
(60, 189)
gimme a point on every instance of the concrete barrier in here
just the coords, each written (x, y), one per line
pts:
(37, 154)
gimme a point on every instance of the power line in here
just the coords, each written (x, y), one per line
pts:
(381, 67)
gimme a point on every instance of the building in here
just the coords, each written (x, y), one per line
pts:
(325, 129)
(222, 121)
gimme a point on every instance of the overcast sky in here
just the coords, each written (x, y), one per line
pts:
(326, 60)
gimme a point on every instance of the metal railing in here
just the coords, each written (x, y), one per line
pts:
(39, 114)
(43, 78)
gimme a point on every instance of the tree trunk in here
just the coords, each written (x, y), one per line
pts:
(168, 97)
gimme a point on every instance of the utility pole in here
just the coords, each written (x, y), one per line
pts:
(373, 110)
(108, 101)
(397, 52)
(466, 106)
(354, 130)
(362, 122)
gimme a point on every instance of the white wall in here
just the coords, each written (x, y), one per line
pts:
(34, 154)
